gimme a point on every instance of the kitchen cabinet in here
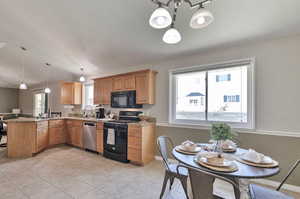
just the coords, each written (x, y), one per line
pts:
(42, 136)
(102, 90)
(99, 136)
(145, 87)
(71, 93)
(124, 82)
(57, 133)
(74, 133)
(141, 143)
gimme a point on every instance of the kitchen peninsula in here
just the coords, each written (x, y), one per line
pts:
(29, 136)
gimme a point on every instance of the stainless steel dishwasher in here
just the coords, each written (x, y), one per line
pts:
(89, 136)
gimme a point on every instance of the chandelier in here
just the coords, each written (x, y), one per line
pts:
(161, 17)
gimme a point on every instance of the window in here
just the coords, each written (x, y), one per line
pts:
(213, 93)
(40, 104)
(88, 93)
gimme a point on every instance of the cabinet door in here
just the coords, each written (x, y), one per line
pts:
(67, 93)
(69, 132)
(42, 138)
(100, 140)
(118, 83)
(105, 90)
(76, 136)
(97, 91)
(57, 136)
(129, 82)
(142, 88)
(77, 93)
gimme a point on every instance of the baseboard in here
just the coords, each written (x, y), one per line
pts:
(275, 184)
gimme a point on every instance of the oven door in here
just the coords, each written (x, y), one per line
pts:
(115, 138)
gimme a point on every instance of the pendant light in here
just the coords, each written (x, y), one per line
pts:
(82, 78)
(47, 89)
(201, 18)
(160, 18)
(172, 36)
(23, 86)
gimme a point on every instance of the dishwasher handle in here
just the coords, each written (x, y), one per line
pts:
(89, 124)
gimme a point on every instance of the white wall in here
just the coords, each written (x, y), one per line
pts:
(277, 80)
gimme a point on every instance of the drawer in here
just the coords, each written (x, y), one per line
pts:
(43, 124)
(100, 125)
(74, 123)
(134, 155)
(56, 123)
(134, 142)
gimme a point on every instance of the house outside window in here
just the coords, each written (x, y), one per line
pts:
(213, 93)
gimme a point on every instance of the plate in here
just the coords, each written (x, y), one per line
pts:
(230, 149)
(225, 163)
(196, 150)
(232, 168)
(266, 160)
(272, 165)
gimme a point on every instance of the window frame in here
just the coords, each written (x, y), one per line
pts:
(46, 102)
(207, 67)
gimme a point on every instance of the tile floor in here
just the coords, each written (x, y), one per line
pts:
(65, 173)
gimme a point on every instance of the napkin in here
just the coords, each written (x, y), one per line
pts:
(227, 144)
(189, 145)
(253, 156)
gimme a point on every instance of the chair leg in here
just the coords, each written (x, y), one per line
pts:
(164, 185)
(171, 182)
(184, 186)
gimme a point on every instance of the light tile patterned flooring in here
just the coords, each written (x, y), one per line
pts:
(65, 173)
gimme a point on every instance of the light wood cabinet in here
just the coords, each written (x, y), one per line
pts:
(57, 134)
(42, 136)
(102, 90)
(141, 143)
(74, 133)
(71, 93)
(124, 82)
(99, 142)
(145, 87)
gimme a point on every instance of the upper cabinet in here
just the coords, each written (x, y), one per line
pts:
(71, 93)
(102, 90)
(124, 82)
(141, 81)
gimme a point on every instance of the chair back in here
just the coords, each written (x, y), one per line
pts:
(165, 145)
(202, 183)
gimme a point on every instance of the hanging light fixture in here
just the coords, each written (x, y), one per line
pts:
(47, 89)
(23, 86)
(201, 19)
(82, 78)
(172, 36)
(161, 18)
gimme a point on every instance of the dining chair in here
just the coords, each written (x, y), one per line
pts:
(171, 172)
(202, 183)
(259, 192)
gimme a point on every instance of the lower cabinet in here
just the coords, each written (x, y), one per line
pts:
(74, 133)
(42, 136)
(99, 136)
(57, 133)
(141, 143)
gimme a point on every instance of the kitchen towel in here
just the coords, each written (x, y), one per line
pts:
(111, 137)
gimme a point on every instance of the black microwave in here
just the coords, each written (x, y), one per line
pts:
(124, 99)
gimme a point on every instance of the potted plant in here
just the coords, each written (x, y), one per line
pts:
(221, 132)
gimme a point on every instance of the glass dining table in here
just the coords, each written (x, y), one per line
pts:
(244, 171)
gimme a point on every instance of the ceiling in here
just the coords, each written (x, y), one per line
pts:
(105, 35)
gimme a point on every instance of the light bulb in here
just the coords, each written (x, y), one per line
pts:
(82, 79)
(47, 90)
(172, 36)
(23, 86)
(201, 19)
(160, 18)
